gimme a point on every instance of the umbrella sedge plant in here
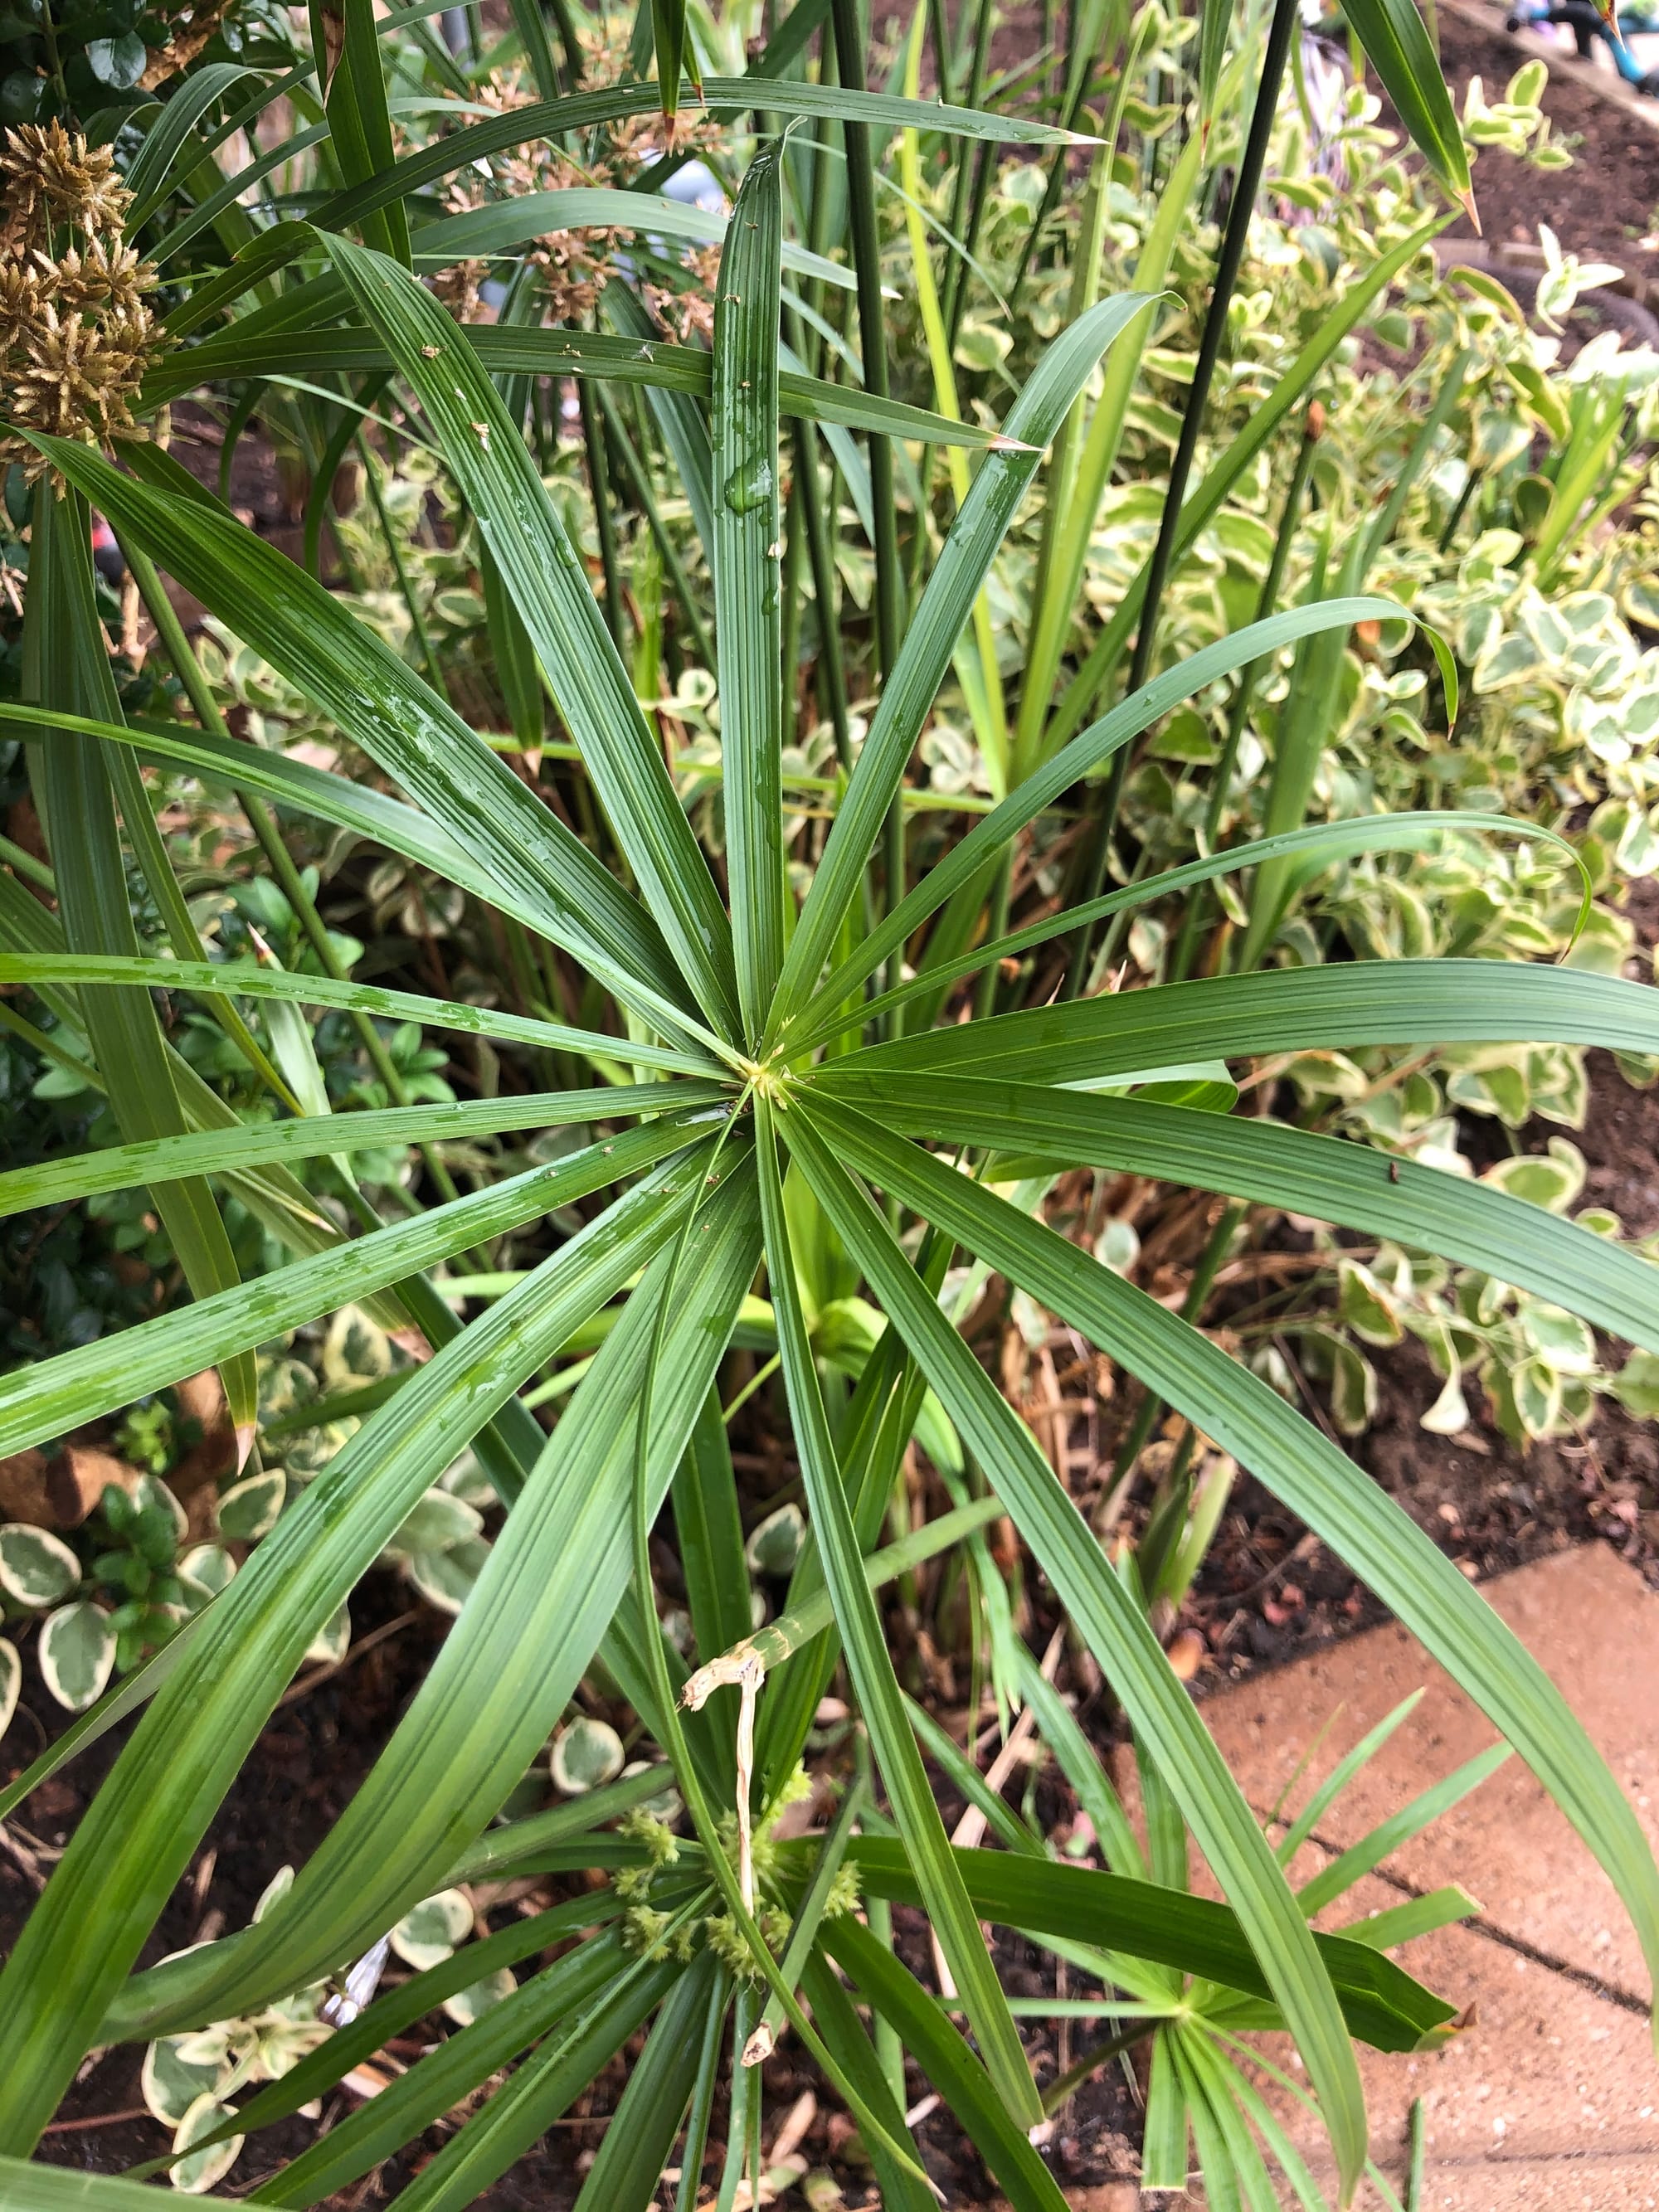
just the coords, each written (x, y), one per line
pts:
(755, 1104)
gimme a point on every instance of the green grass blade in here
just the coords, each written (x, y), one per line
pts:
(1078, 1761)
(935, 627)
(641, 2136)
(64, 659)
(163, 1159)
(939, 2050)
(378, 702)
(1399, 48)
(400, 2008)
(1339, 1776)
(1164, 2145)
(27, 2188)
(1361, 1522)
(880, 1700)
(492, 465)
(843, 2032)
(505, 349)
(137, 1839)
(1321, 841)
(378, 2130)
(1201, 505)
(554, 1577)
(1420, 1916)
(58, 1395)
(1382, 2004)
(251, 982)
(1045, 786)
(721, 95)
(1393, 1002)
(484, 232)
(746, 555)
(1432, 1804)
(541, 2091)
(1333, 1180)
(360, 125)
(1107, 1616)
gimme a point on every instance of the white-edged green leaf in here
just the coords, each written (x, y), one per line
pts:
(251, 1509)
(584, 1756)
(75, 1653)
(36, 1568)
(430, 1930)
(204, 2170)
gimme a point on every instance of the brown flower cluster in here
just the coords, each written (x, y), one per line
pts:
(576, 264)
(77, 333)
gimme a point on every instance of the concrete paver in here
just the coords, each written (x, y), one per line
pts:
(1551, 2095)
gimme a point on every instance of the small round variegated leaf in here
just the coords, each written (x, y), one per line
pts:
(76, 1651)
(248, 1509)
(36, 1568)
(665, 1805)
(436, 1523)
(586, 1755)
(274, 1891)
(467, 1479)
(204, 1571)
(11, 1680)
(775, 1544)
(203, 2169)
(356, 1352)
(332, 1640)
(150, 1491)
(171, 2083)
(445, 1578)
(465, 2005)
(430, 1931)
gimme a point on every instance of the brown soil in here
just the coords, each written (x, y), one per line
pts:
(1605, 205)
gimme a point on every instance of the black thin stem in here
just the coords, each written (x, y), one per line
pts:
(1286, 23)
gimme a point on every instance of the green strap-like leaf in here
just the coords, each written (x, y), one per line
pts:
(58, 1395)
(721, 95)
(505, 349)
(1320, 842)
(546, 2005)
(360, 125)
(28, 2187)
(747, 552)
(870, 1664)
(247, 981)
(948, 2063)
(65, 662)
(162, 1159)
(139, 1836)
(1399, 48)
(626, 2175)
(543, 573)
(1330, 1009)
(381, 704)
(1381, 2003)
(1362, 1524)
(989, 836)
(543, 1599)
(540, 2093)
(1471, 1223)
(937, 624)
(1110, 1622)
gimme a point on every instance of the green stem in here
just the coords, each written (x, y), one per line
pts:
(434, 675)
(1221, 782)
(177, 646)
(639, 484)
(598, 480)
